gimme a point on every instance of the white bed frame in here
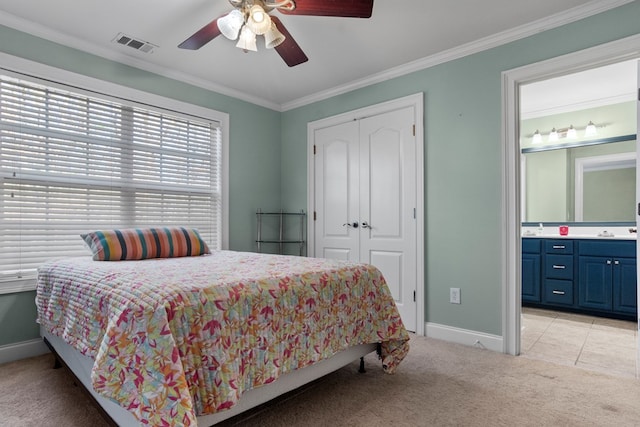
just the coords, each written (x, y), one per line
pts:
(81, 366)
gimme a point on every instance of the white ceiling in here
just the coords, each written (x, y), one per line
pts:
(344, 53)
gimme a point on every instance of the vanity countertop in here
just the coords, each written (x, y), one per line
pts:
(627, 236)
(614, 232)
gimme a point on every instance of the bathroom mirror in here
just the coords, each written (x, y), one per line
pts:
(593, 181)
(578, 143)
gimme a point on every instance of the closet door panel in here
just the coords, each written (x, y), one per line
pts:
(388, 202)
(337, 192)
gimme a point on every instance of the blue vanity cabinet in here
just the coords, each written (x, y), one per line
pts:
(531, 249)
(607, 276)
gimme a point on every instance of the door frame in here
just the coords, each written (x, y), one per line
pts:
(604, 54)
(417, 102)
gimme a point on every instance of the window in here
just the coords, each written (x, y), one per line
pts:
(72, 163)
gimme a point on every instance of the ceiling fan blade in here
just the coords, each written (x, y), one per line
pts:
(289, 49)
(339, 8)
(203, 36)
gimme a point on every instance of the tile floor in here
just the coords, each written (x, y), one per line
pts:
(594, 343)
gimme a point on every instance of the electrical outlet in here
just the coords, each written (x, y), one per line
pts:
(454, 295)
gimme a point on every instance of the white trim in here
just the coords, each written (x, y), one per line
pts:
(574, 14)
(22, 350)
(583, 105)
(18, 285)
(608, 53)
(596, 163)
(465, 337)
(417, 102)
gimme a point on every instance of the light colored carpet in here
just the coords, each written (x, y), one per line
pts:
(438, 384)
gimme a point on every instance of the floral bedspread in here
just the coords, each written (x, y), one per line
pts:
(175, 338)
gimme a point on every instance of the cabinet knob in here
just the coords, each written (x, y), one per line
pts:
(616, 262)
(608, 262)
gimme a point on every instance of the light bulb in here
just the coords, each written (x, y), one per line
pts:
(537, 138)
(571, 133)
(553, 136)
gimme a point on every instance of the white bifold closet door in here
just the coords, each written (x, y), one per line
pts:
(365, 199)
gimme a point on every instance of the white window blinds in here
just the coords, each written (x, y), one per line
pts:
(70, 164)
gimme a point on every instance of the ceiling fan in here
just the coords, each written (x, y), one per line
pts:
(252, 17)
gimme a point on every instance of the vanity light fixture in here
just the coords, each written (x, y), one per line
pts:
(570, 132)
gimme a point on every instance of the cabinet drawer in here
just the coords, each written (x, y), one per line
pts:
(558, 246)
(558, 291)
(558, 267)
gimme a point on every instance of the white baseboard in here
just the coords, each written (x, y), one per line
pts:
(22, 350)
(465, 336)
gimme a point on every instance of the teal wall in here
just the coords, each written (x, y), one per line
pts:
(18, 317)
(463, 163)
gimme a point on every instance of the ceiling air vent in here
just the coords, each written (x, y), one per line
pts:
(136, 44)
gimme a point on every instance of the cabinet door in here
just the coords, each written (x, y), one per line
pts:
(624, 285)
(595, 282)
(531, 277)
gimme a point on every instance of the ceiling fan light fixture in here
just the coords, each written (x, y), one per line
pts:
(258, 20)
(273, 37)
(230, 24)
(247, 40)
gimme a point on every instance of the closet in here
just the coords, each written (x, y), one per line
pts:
(365, 201)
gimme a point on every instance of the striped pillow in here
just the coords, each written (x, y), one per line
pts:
(145, 243)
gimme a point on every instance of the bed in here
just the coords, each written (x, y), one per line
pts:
(194, 340)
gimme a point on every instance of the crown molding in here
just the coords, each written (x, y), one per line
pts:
(575, 14)
(576, 106)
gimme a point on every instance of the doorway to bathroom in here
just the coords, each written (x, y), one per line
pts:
(515, 210)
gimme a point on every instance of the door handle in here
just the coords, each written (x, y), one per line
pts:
(349, 224)
(366, 225)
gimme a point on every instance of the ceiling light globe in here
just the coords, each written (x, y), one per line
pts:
(273, 37)
(230, 24)
(247, 40)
